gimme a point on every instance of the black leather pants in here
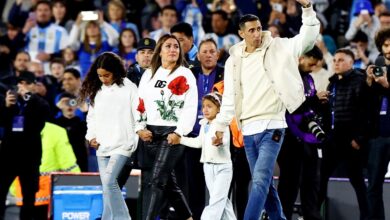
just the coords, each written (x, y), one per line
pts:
(163, 184)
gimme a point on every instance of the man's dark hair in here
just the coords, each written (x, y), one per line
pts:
(44, 2)
(74, 72)
(345, 51)
(381, 37)
(247, 18)
(222, 13)
(360, 36)
(316, 53)
(57, 60)
(184, 28)
(385, 14)
(168, 7)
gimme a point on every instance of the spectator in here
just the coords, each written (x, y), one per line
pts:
(76, 128)
(276, 30)
(19, 65)
(117, 14)
(145, 50)
(70, 59)
(183, 32)
(60, 14)
(127, 47)
(10, 44)
(92, 43)
(17, 16)
(23, 117)
(365, 21)
(168, 18)
(150, 11)
(44, 38)
(384, 19)
(220, 34)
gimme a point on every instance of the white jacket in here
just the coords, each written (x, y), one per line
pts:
(210, 153)
(112, 119)
(280, 64)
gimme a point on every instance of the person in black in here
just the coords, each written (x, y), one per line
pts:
(298, 158)
(347, 123)
(379, 118)
(143, 57)
(76, 128)
(183, 32)
(23, 116)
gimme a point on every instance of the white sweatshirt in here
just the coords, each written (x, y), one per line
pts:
(164, 108)
(111, 120)
(210, 153)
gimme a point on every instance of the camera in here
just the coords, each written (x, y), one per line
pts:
(71, 102)
(277, 7)
(316, 130)
(377, 71)
(89, 16)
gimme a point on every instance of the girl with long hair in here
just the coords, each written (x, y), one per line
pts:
(127, 46)
(110, 121)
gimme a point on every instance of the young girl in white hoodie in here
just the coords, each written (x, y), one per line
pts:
(110, 121)
(217, 164)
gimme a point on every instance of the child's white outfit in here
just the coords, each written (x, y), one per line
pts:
(218, 171)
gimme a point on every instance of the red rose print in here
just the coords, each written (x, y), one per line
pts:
(141, 106)
(179, 85)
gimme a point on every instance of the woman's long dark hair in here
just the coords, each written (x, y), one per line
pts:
(156, 59)
(92, 84)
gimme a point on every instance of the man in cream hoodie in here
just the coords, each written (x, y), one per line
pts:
(262, 81)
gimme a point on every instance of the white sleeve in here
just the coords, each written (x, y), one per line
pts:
(187, 117)
(141, 124)
(91, 124)
(74, 41)
(195, 142)
(227, 111)
(64, 43)
(308, 33)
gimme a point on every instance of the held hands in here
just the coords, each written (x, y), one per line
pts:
(94, 144)
(217, 140)
(173, 139)
(145, 135)
(323, 96)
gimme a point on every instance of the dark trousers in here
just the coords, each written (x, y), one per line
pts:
(163, 184)
(299, 170)
(378, 159)
(340, 150)
(29, 181)
(240, 182)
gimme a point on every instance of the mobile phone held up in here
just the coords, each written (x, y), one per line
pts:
(89, 16)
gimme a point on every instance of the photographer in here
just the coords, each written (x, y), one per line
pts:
(298, 158)
(23, 116)
(379, 118)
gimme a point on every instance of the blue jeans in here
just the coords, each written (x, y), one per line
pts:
(262, 150)
(114, 206)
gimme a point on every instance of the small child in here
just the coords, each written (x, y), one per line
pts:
(217, 164)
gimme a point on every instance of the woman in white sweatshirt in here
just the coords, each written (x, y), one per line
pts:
(110, 121)
(168, 106)
(217, 165)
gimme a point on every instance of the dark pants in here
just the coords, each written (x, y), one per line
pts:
(340, 150)
(163, 184)
(240, 182)
(378, 159)
(29, 182)
(299, 170)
